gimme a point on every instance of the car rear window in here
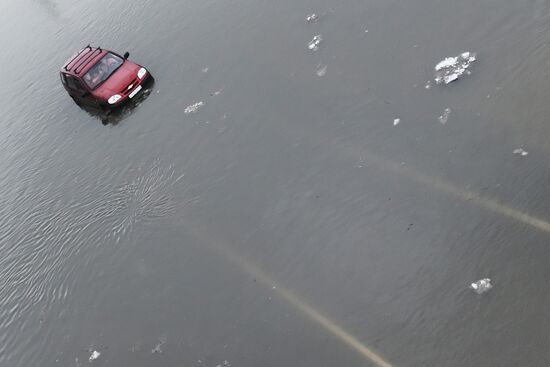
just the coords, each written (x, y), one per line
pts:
(102, 70)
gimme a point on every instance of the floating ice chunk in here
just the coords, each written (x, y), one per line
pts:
(314, 43)
(193, 108)
(482, 285)
(224, 364)
(312, 17)
(448, 62)
(321, 70)
(521, 152)
(216, 93)
(158, 348)
(451, 68)
(428, 85)
(205, 70)
(445, 116)
(396, 122)
(95, 355)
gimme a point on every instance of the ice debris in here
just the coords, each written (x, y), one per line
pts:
(481, 286)
(396, 121)
(451, 68)
(224, 364)
(158, 348)
(321, 70)
(205, 70)
(193, 108)
(95, 355)
(314, 43)
(445, 116)
(216, 93)
(521, 152)
(312, 17)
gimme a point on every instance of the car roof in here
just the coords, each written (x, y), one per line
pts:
(79, 63)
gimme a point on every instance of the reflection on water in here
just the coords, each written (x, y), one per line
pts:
(115, 116)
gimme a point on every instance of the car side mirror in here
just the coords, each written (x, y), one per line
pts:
(126, 55)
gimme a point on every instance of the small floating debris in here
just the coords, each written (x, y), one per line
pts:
(216, 93)
(95, 355)
(312, 17)
(205, 70)
(396, 122)
(445, 116)
(481, 286)
(224, 364)
(428, 85)
(451, 68)
(521, 152)
(321, 70)
(193, 108)
(314, 43)
(158, 348)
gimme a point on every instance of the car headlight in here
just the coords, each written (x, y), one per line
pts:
(114, 99)
(141, 73)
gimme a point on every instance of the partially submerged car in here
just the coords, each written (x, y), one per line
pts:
(102, 79)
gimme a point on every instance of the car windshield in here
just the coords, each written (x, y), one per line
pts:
(102, 70)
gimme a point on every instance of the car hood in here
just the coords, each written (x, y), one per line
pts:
(119, 80)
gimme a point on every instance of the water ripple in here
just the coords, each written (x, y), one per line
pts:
(49, 237)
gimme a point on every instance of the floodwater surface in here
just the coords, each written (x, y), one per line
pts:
(276, 203)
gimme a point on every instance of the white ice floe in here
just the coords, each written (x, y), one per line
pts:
(482, 285)
(193, 108)
(321, 70)
(521, 152)
(312, 17)
(451, 68)
(95, 355)
(445, 116)
(314, 43)
(396, 122)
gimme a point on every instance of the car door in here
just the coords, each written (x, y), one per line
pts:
(79, 93)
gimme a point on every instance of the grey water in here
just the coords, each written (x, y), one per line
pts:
(122, 238)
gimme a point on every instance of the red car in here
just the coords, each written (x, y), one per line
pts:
(101, 78)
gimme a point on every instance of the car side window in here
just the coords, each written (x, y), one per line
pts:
(75, 84)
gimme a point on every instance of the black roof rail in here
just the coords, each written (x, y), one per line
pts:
(82, 63)
(77, 67)
(67, 66)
